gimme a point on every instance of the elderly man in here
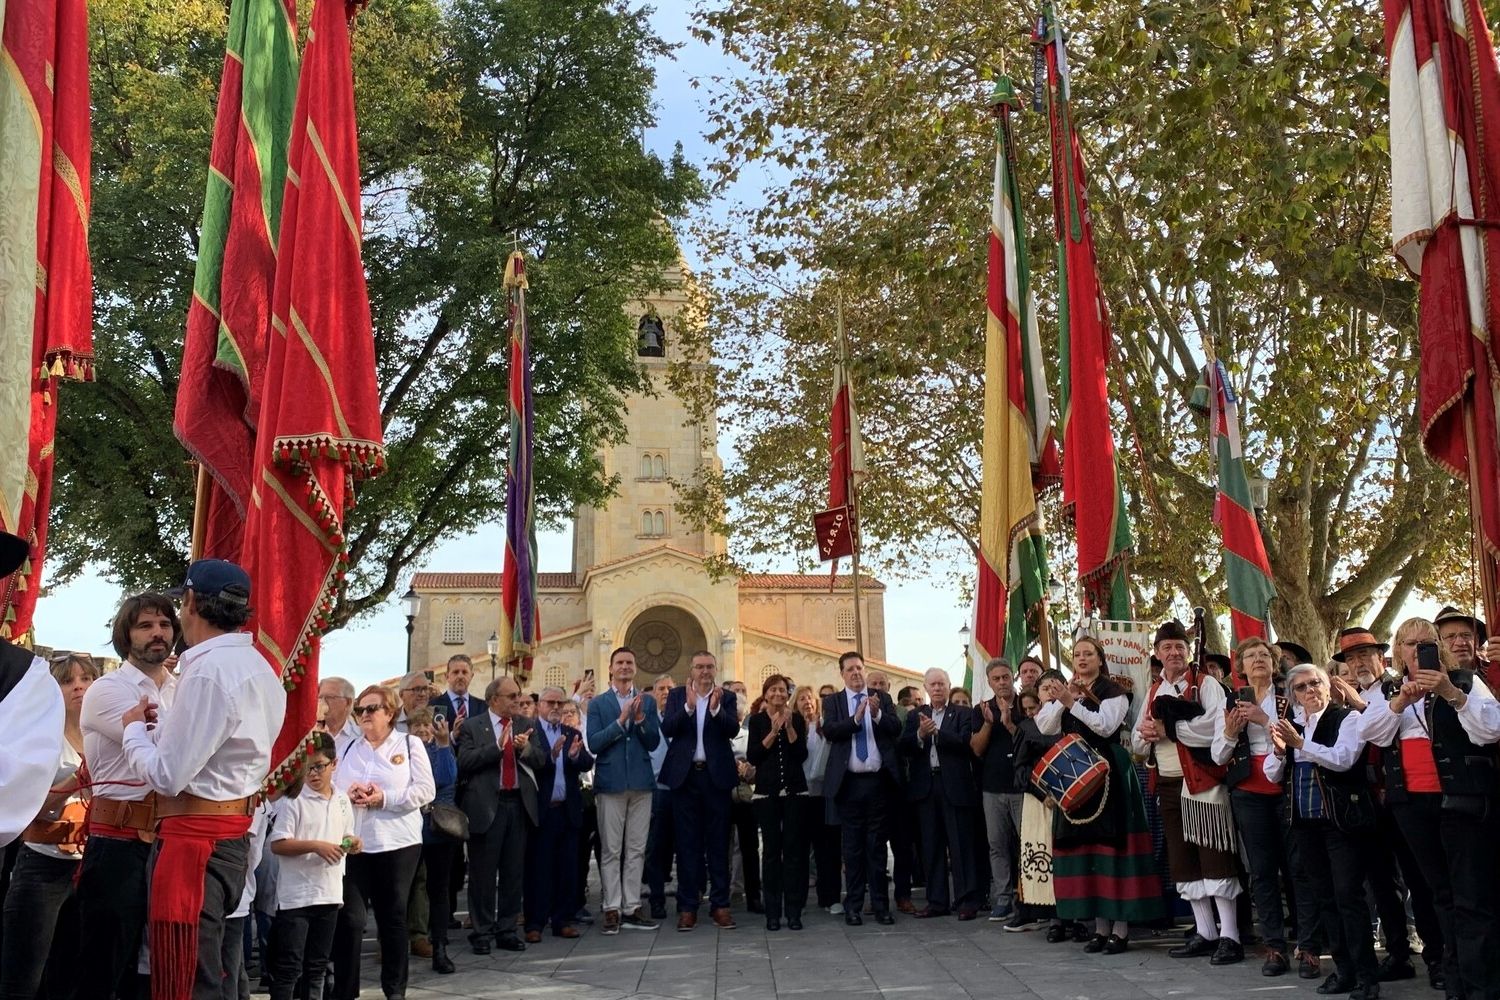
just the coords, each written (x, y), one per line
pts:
(1469, 643)
(337, 696)
(940, 784)
(1028, 673)
(415, 690)
(552, 855)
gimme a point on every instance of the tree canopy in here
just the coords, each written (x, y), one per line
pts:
(1239, 184)
(484, 125)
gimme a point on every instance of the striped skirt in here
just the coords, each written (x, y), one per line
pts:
(1105, 869)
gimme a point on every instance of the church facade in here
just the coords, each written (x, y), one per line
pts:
(641, 575)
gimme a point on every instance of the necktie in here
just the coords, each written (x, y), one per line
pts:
(861, 741)
(461, 711)
(507, 758)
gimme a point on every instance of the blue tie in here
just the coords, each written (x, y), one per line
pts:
(861, 741)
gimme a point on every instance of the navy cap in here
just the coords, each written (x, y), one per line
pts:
(216, 578)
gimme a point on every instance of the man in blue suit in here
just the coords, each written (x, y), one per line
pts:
(552, 854)
(700, 719)
(623, 728)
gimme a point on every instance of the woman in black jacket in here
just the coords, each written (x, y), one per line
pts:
(776, 748)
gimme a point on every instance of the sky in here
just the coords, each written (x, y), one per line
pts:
(923, 618)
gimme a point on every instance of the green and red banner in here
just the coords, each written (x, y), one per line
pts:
(229, 319)
(46, 277)
(1092, 498)
(1247, 571)
(320, 428)
(1018, 448)
(521, 623)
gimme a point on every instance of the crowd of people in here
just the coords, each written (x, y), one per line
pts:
(1263, 791)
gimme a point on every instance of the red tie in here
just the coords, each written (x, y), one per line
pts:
(461, 712)
(507, 759)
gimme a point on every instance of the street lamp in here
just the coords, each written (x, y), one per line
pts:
(492, 646)
(1056, 594)
(963, 634)
(413, 604)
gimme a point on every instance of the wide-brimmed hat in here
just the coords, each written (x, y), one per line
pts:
(1222, 659)
(1169, 629)
(1452, 614)
(13, 552)
(1297, 651)
(1351, 639)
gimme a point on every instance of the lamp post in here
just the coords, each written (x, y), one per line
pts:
(1057, 594)
(964, 634)
(413, 603)
(492, 646)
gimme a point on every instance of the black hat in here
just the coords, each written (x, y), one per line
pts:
(13, 552)
(1222, 659)
(1452, 614)
(1300, 653)
(1170, 629)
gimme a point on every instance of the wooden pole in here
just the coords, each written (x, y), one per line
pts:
(1044, 634)
(200, 513)
(1483, 561)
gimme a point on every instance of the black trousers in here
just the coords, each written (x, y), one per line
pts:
(947, 847)
(438, 857)
(588, 844)
(302, 942)
(781, 821)
(660, 846)
(551, 866)
(700, 824)
(822, 839)
(384, 878)
(40, 888)
(223, 885)
(112, 894)
(496, 858)
(1469, 849)
(743, 817)
(1261, 820)
(1331, 870)
(902, 831)
(861, 803)
(1419, 818)
(1394, 875)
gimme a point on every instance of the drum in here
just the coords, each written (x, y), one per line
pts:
(1071, 775)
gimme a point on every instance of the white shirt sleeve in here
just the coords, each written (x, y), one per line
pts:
(1345, 751)
(1222, 748)
(420, 787)
(1111, 715)
(202, 715)
(31, 719)
(1200, 732)
(1273, 767)
(1049, 718)
(1377, 723)
(1480, 715)
(103, 706)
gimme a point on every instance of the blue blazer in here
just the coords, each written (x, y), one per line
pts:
(682, 729)
(622, 754)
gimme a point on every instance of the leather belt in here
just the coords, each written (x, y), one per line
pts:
(192, 805)
(700, 765)
(138, 814)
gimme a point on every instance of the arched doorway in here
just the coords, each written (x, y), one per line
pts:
(664, 639)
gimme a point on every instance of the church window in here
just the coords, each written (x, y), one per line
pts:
(659, 465)
(843, 624)
(646, 523)
(554, 676)
(766, 671)
(453, 628)
(646, 465)
(661, 523)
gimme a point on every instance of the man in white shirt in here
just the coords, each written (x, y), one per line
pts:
(415, 690)
(206, 761)
(112, 878)
(337, 697)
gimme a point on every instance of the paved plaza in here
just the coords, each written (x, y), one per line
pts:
(939, 959)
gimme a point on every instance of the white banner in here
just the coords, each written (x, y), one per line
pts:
(1127, 647)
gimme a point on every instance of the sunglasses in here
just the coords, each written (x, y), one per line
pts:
(368, 709)
(1307, 685)
(63, 655)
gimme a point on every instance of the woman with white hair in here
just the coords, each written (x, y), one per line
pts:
(1332, 814)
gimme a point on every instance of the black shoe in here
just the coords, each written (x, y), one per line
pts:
(755, 905)
(1057, 933)
(1081, 933)
(773, 924)
(1435, 978)
(454, 924)
(1309, 966)
(481, 946)
(509, 942)
(1095, 945)
(1197, 946)
(794, 923)
(884, 918)
(1228, 952)
(1336, 984)
(1114, 944)
(1275, 964)
(853, 919)
(658, 911)
(1393, 969)
(1369, 991)
(441, 963)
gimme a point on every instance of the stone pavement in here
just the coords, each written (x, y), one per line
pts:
(939, 959)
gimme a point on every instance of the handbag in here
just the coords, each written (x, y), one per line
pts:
(449, 820)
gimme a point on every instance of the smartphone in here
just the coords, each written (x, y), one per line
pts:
(1427, 656)
(440, 715)
(588, 673)
(1245, 695)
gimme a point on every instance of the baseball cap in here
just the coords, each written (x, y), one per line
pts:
(216, 578)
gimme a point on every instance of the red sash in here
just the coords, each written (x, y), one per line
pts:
(1418, 766)
(177, 897)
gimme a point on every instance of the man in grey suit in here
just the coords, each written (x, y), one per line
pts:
(498, 759)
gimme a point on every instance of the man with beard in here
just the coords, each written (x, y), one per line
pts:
(112, 879)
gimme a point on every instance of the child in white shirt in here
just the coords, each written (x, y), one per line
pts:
(314, 830)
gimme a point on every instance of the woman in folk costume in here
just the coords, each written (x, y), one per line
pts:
(1103, 867)
(1035, 894)
(1439, 727)
(1183, 714)
(1243, 743)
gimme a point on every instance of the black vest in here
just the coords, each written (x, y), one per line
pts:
(1241, 760)
(1462, 767)
(14, 662)
(1346, 794)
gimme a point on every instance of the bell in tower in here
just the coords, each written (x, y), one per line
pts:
(651, 337)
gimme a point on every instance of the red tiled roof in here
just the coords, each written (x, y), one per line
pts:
(804, 581)
(484, 581)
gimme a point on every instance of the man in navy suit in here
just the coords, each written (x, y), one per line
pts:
(552, 854)
(458, 706)
(940, 784)
(861, 728)
(700, 719)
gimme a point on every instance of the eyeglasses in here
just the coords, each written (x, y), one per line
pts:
(332, 697)
(1307, 685)
(368, 709)
(552, 701)
(318, 768)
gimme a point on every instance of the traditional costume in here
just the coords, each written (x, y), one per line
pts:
(206, 762)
